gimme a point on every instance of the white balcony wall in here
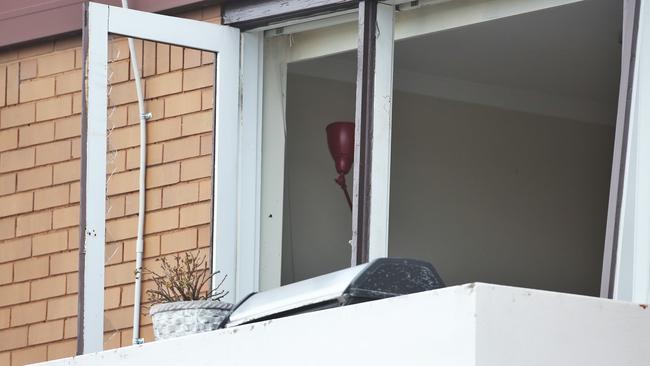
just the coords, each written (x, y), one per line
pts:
(469, 325)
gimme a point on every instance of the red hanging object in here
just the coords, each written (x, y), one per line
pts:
(340, 140)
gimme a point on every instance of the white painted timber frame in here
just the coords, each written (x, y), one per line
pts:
(225, 43)
(632, 274)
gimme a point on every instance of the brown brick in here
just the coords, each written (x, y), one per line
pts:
(36, 89)
(67, 127)
(180, 194)
(29, 269)
(63, 349)
(191, 58)
(13, 338)
(138, 52)
(122, 138)
(153, 201)
(197, 123)
(200, 77)
(69, 82)
(204, 236)
(118, 49)
(37, 49)
(183, 103)
(62, 307)
(165, 129)
(72, 283)
(34, 178)
(206, 145)
(78, 54)
(115, 207)
(181, 148)
(18, 115)
(112, 297)
(53, 108)
(13, 294)
(123, 182)
(113, 253)
(151, 248)
(195, 214)
(12, 250)
(32, 312)
(3, 84)
(50, 243)
(76, 103)
(47, 287)
(5, 316)
(6, 275)
(121, 228)
(15, 204)
(45, 332)
(51, 197)
(12, 83)
(64, 262)
(116, 161)
(164, 84)
(36, 134)
(123, 93)
(53, 152)
(56, 63)
(207, 99)
(205, 190)
(162, 58)
(33, 223)
(162, 220)
(119, 70)
(17, 159)
(67, 171)
(29, 355)
(65, 217)
(119, 318)
(7, 229)
(67, 43)
(176, 58)
(75, 192)
(154, 156)
(7, 183)
(178, 241)
(73, 238)
(196, 168)
(162, 175)
(119, 274)
(8, 139)
(207, 58)
(70, 328)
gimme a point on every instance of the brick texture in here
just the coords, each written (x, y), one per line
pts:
(40, 149)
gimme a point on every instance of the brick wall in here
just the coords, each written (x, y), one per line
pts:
(40, 105)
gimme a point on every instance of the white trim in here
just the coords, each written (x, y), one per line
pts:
(273, 148)
(250, 161)
(381, 134)
(222, 40)
(95, 180)
(418, 22)
(632, 279)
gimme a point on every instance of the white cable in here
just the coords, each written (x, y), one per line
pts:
(139, 242)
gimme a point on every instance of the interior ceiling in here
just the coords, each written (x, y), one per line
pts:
(571, 50)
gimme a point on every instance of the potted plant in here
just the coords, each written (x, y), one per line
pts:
(180, 303)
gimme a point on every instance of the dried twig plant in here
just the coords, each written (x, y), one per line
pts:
(183, 279)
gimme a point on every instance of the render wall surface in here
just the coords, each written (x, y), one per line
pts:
(484, 194)
(40, 105)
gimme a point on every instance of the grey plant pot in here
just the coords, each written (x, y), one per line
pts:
(181, 318)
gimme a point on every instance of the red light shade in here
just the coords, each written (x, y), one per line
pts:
(340, 140)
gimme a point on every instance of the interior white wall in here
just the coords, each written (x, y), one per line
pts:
(485, 194)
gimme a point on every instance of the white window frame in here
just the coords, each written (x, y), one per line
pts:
(224, 41)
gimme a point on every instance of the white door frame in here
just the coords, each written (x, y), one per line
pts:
(225, 43)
